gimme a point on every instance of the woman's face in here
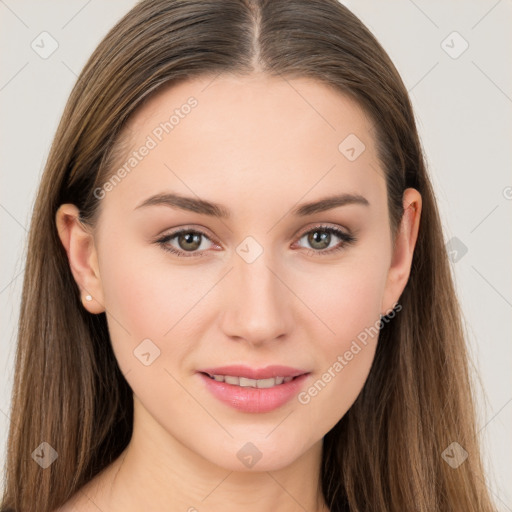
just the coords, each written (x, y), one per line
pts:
(258, 280)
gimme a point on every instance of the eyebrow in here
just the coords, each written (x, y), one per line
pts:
(216, 210)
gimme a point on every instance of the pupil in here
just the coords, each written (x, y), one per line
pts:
(192, 241)
(323, 239)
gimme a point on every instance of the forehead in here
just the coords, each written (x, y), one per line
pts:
(237, 136)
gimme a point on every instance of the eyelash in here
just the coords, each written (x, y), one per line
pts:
(347, 239)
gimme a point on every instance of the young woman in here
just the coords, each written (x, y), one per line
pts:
(237, 295)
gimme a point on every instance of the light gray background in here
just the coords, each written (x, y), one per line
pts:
(463, 106)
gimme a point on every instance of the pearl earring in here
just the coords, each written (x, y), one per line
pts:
(88, 298)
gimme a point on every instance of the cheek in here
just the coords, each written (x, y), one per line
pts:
(344, 355)
(346, 338)
(332, 392)
(148, 299)
(346, 299)
(145, 300)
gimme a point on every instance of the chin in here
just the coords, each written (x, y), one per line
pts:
(260, 452)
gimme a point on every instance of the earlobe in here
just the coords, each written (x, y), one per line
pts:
(403, 252)
(78, 242)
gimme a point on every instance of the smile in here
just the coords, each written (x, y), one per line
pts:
(251, 383)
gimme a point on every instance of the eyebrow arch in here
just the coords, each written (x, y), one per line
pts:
(186, 203)
(327, 203)
(216, 210)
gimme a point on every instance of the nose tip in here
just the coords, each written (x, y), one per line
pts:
(256, 308)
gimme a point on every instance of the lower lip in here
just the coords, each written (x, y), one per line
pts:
(248, 399)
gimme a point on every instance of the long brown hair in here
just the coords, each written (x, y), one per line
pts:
(386, 453)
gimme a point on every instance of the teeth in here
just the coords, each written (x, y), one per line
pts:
(251, 383)
(246, 383)
(231, 380)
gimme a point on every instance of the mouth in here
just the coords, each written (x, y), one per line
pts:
(252, 390)
(245, 382)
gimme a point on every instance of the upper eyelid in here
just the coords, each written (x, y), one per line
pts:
(187, 229)
(322, 225)
(204, 232)
(345, 235)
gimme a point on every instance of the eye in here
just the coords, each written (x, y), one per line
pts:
(187, 240)
(320, 238)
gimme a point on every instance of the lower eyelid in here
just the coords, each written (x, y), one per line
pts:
(345, 239)
(166, 239)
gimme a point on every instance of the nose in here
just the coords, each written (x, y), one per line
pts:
(258, 306)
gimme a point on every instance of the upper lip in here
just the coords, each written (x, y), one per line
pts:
(255, 373)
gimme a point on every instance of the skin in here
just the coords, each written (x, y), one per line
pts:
(259, 146)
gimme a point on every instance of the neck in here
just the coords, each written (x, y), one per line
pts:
(157, 472)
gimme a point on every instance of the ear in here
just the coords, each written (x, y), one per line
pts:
(78, 240)
(401, 261)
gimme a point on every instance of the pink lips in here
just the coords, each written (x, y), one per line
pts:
(249, 399)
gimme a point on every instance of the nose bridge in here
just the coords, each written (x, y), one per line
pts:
(257, 307)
